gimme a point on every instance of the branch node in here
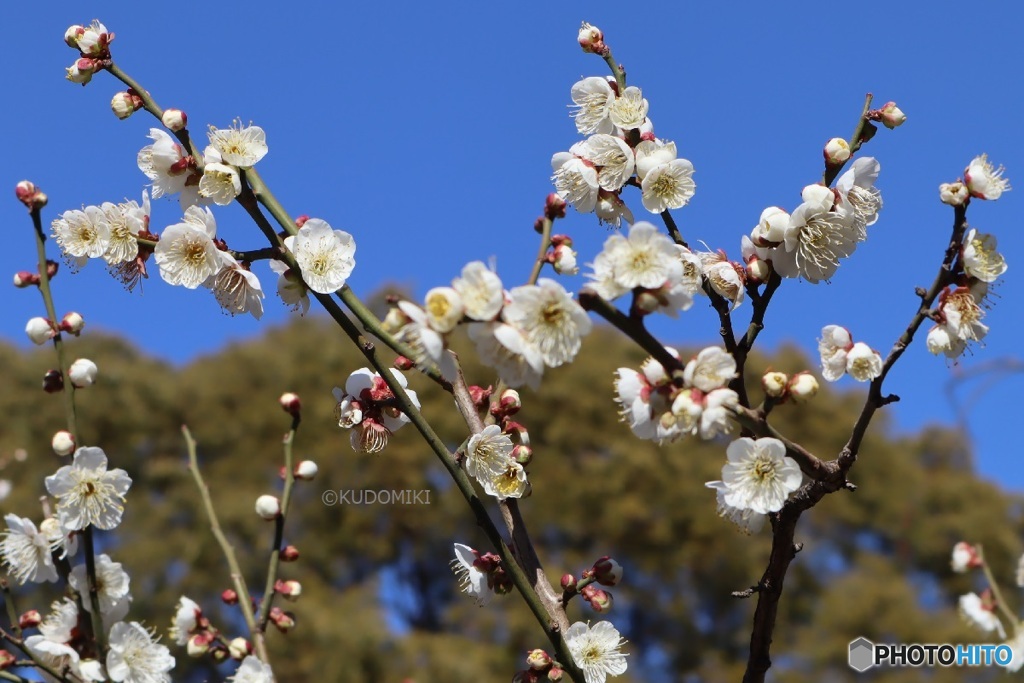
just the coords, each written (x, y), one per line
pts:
(797, 547)
(891, 398)
(849, 486)
(746, 592)
(921, 292)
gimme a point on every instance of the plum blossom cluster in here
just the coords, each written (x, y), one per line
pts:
(658, 408)
(620, 149)
(480, 575)
(662, 275)
(841, 356)
(93, 44)
(368, 407)
(982, 611)
(518, 332)
(756, 480)
(824, 229)
(495, 462)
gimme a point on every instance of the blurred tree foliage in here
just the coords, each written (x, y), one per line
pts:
(380, 603)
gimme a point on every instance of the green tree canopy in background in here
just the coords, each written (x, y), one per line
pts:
(379, 603)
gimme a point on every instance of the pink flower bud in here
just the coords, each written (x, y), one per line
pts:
(174, 119)
(802, 387)
(51, 269)
(758, 270)
(82, 373)
(568, 582)
(53, 381)
(30, 195)
(510, 402)
(554, 207)
(282, 620)
(600, 601)
(82, 70)
(199, 644)
(522, 454)
(774, 384)
(72, 35)
(124, 104)
(301, 220)
(290, 403)
(289, 554)
(6, 659)
(30, 619)
(538, 660)
(563, 260)
(72, 322)
(591, 39)
(40, 330)
(306, 470)
(23, 279)
(403, 363)
(63, 443)
(646, 302)
(268, 507)
(289, 590)
(607, 571)
(891, 116)
(965, 556)
(229, 597)
(239, 648)
(480, 395)
(837, 151)
(555, 674)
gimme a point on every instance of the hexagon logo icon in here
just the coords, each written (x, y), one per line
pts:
(862, 654)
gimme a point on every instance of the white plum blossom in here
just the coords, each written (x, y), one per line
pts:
(983, 180)
(87, 493)
(645, 258)
(1016, 645)
(253, 670)
(220, 182)
(506, 349)
(858, 195)
(325, 256)
(611, 210)
(712, 368)
(725, 277)
(82, 373)
(549, 319)
(426, 343)
(365, 407)
(27, 552)
(236, 288)
(981, 614)
(592, 97)
(940, 340)
(511, 483)
(863, 363)
(668, 186)
(596, 650)
(472, 581)
(168, 166)
(771, 227)
(962, 314)
(124, 222)
(186, 617)
(82, 235)
(759, 475)
(614, 160)
(964, 557)
(717, 410)
(186, 254)
(816, 238)
(488, 453)
(833, 346)
(290, 287)
(629, 109)
(239, 146)
(575, 179)
(653, 153)
(112, 584)
(981, 258)
(60, 624)
(748, 521)
(954, 194)
(481, 291)
(92, 40)
(136, 657)
(56, 655)
(444, 308)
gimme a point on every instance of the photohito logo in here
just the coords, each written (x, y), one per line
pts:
(864, 654)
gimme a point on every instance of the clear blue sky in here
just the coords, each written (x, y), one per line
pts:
(426, 130)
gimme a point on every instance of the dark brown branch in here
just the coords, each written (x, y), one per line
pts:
(634, 329)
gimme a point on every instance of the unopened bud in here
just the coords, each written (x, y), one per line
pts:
(82, 373)
(646, 302)
(554, 207)
(538, 659)
(568, 582)
(290, 403)
(124, 104)
(73, 323)
(72, 34)
(289, 553)
(306, 470)
(394, 320)
(403, 363)
(301, 220)
(63, 443)
(289, 590)
(774, 384)
(802, 387)
(82, 70)
(51, 268)
(30, 195)
(891, 116)
(40, 331)
(607, 571)
(30, 619)
(563, 260)
(600, 601)
(174, 119)
(53, 381)
(229, 597)
(758, 270)
(239, 648)
(510, 402)
(954, 194)
(23, 279)
(268, 507)
(480, 395)
(837, 151)
(522, 454)
(555, 674)
(199, 644)
(6, 659)
(591, 39)
(282, 620)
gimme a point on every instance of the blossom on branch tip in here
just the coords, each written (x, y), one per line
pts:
(837, 151)
(953, 194)
(82, 235)
(325, 256)
(87, 493)
(591, 39)
(759, 475)
(596, 650)
(983, 180)
(981, 258)
(238, 146)
(92, 40)
(863, 363)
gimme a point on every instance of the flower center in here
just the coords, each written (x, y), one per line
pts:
(764, 469)
(195, 252)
